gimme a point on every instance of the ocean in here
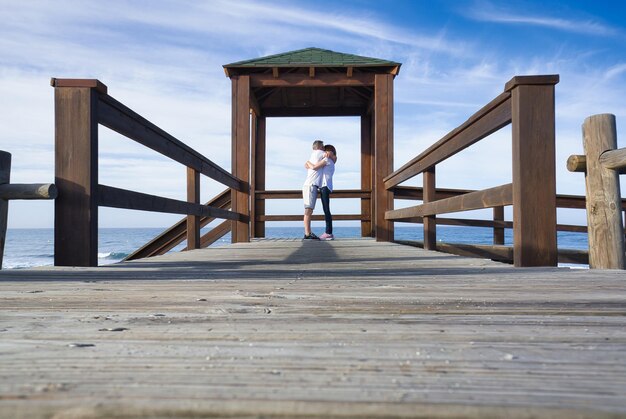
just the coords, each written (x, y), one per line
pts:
(27, 248)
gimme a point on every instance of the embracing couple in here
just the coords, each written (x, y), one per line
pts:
(319, 179)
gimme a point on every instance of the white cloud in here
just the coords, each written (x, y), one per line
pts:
(487, 13)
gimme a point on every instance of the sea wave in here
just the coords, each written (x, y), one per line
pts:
(112, 255)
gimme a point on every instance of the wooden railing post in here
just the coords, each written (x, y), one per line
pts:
(366, 175)
(76, 172)
(604, 215)
(534, 174)
(240, 202)
(258, 174)
(383, 154)
(430, 222)
(193, 221)
(5, 177)
(498, 232)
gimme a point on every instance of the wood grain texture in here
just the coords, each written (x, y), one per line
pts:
(548, 79)
(416, 192)
(487, 198)
(259, 329)
(240, 200)
(320, 80)
(293, 194)
(383, 155)
(430, 221)
(92, 83)
(259, 157)
(604, 215)
(614, 159)
(5, 178)
(367, 174)
(120, 118)
(193, 221)
(109, 196)
(76, 176)
(314, 217)
(534, 175)
(577, 163)
(490, 118)
(28, 191)
(498, 232)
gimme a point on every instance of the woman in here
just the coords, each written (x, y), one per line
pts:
(327, 166)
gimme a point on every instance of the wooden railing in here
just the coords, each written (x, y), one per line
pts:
(80, 105)
(496, 251)
(528, 104)
(602, 165)
(11, 191)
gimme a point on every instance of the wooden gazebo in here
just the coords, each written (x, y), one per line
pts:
(308, 83)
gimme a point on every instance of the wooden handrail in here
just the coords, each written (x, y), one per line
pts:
(109, 196)
(80, 105)
(176, 234)
(578, 162)
(28, 191)
(315, 217)
(118, 117)
(12, 191)
(488, 198)
(528, 104)
(416, 193)
(493, 116)
(297, 194)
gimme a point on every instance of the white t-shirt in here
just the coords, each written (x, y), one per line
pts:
(314, 177)
(327, 173)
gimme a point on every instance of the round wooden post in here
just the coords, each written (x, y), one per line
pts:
(5, 175)
(604, 217)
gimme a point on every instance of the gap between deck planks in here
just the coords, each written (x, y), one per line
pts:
(350, 328)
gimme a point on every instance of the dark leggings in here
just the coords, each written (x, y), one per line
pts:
(325, 192)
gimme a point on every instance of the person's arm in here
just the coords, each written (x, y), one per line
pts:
(317, 165)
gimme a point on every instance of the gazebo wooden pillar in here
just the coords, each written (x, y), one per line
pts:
(309, 83)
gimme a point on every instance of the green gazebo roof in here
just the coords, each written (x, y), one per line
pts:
(312, 57)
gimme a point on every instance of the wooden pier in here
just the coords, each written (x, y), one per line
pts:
(285, 328)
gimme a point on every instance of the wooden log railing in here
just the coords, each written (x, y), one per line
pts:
(10, 191)
(602, 165)
(80, 106)
(497, 251)
(528, 104)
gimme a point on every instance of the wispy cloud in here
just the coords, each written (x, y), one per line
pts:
(615, 71)
(488, 13)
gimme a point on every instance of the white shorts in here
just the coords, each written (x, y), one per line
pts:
(309, 196)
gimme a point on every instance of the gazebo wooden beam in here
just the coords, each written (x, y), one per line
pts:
(314, 111)
(254, 104)
(320, 80)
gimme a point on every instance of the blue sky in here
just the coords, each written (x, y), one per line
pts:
(164, 60)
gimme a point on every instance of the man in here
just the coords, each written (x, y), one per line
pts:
(327, 167)
(310, 188)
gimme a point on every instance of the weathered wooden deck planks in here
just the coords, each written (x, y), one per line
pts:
(351, 328)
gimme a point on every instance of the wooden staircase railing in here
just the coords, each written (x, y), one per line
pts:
(80, 107)
(527, 103)
(176, 234)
